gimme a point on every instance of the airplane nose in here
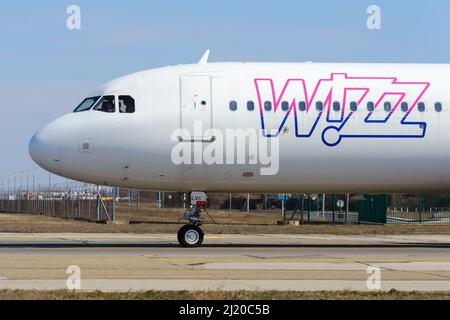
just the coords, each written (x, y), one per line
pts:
(45, 148)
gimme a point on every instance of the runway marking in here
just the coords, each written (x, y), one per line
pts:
(220, 247)
(299, 259)
(339, 265)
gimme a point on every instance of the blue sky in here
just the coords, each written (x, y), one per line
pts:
(45, 69)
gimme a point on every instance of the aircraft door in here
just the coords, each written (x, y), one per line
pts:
(196, 108)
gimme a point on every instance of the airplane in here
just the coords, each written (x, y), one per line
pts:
(258, 127)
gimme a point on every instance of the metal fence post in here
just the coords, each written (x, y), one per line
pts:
(333, 199)
(302, 209)
(323, 205)
(309, 207)
(347, 207)
(98, 203)
(113, 214)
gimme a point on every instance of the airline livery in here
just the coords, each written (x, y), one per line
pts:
(377, 92)
(259, 127)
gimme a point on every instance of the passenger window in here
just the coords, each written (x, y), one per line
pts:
(126, 104)
(370, 106)
(353, 106)
(106, 104)
(302, 106)
(404, 106)
(285, 106)
(438, 106)
(319, 105)
(86, 104)
(267, 105)
(233, 105)
(336, 106)
(421, 106)
(250, 105)
(387, 106)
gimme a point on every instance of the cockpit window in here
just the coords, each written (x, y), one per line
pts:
(126, 104)
(86, 104)
(106, 104)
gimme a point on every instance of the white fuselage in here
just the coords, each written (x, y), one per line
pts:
(399, 146)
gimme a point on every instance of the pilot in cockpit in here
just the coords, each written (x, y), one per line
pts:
(107, 106)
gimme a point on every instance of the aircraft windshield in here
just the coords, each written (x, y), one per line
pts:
(86, 104)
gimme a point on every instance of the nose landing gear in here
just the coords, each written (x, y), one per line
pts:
(191, 235)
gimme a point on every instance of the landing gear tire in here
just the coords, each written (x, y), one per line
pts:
(190, 236)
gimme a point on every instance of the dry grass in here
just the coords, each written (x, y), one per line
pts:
(164, 221)
(220, 295)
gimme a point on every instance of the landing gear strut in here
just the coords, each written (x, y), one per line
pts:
(191, 235)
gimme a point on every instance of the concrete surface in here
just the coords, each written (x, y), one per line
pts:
(124, 262)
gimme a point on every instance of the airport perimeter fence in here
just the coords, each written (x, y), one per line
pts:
(78, 204)
(418, 209)
(91, 204)
(266, 209)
